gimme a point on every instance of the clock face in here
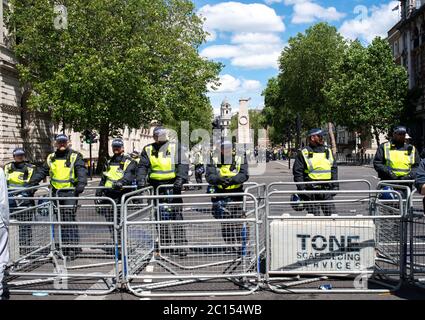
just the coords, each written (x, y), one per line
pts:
(243, 120)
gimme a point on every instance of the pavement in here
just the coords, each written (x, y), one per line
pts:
(276, 171)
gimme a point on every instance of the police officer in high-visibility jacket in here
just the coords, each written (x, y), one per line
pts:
(18, 174)
(396, 159)
(162, 163)
(226, 172)
(316, 162)
(119, 171)
(66, 169)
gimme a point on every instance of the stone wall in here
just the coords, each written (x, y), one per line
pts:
(18, 127)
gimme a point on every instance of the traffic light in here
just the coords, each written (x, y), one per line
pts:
(89, 137)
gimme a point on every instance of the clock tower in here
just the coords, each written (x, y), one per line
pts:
(243, 123)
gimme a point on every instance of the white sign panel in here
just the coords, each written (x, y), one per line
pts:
(322, 245)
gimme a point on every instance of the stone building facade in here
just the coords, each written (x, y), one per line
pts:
(407, 40)
(18, 127)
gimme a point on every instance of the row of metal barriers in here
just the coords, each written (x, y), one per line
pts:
(356, 239)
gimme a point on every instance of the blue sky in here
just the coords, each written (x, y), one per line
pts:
(247, 36)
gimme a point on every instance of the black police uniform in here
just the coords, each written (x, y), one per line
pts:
(299, 171)
(384, 173)
(182, 175)
(25, 231)
(231, 232)
(70, 235)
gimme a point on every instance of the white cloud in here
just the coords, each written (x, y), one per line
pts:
(230, 84)
(240, 17)
(377, 22)
(248, 50)
(308, 12)
(251, 85)
(255, 37)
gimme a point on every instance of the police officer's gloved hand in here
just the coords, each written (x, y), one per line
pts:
(227, 182)
(79, 189)
(117, 185)
(99, 193)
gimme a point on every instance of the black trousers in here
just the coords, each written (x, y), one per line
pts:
(177, 232)
(224, 207)
(25, 230)
(70, 234)
(315, 208)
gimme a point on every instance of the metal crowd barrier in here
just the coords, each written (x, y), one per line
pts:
(353, 244)
(196, 244)
(356, 184)
(415, 260)
(188, 239)
(63, 245)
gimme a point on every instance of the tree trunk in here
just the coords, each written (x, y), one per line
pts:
(332, 137)
(103, 147)
(298, 132)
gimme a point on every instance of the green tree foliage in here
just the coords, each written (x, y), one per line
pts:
(276, 115)
(368, 89)
(116, 63)
(306, 64)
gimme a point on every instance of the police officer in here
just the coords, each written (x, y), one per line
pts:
(226, 174)
(18, 174)
(119, 171)
(315, 162)
(161, 163)
(396, 159)
(66, 169)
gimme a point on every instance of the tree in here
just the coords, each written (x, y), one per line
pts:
(368, 90)
(276, 115)
(116, 64)
(306, 65)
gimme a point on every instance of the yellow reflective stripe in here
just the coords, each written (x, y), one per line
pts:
(308, 160)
